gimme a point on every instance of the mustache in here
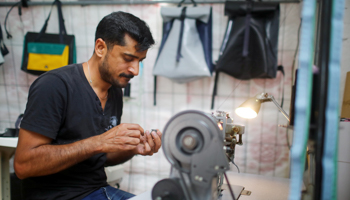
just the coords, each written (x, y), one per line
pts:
(126, 75)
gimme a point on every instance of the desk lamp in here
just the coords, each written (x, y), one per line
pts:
(250, 108)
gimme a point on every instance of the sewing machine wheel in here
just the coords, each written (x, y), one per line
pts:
(168, 189)
(186, 134)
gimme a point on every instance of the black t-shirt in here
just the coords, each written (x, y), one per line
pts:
(63, 106)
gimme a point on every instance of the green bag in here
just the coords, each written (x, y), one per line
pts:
(44, 52)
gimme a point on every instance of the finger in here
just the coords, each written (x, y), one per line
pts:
(128, 147)
(147, 148)
(133, 133)
(135, 127)
(143, 139)
(150, 140)
(129, 133)
(131, 141)
(157, 141)
(159, 133)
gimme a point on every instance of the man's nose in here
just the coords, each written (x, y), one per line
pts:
(134, 68)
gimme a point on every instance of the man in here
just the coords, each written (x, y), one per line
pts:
(71, 127)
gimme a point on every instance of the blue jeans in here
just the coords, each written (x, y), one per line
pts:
(108, 193)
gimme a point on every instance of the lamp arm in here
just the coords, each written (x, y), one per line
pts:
(279, 107)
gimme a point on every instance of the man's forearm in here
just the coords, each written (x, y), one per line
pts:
(119, 157)
(49, 159)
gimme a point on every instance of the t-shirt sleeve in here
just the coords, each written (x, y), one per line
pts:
(46, 105)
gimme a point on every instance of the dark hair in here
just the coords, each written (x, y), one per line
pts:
(113, 27)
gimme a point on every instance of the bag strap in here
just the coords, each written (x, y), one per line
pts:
(62, 28)
(18, 121)
(247, 29)
(281, 68)
(214, 89)
(155, 91)
(60, 18)
(194, 3)
(3, 49)
(182, 18)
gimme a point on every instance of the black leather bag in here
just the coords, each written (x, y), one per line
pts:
(249, 48)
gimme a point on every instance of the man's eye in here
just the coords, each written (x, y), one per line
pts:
(128, 59)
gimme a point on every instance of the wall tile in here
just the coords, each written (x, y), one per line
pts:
(343, 180)
(281, 31)
(13, 104)
(148, 65)
(2, 75)
(282, 163)
(343, 138)
(267, 158)
(225, 84)
(39, 15)
(153, 20)
(20, 76)
(164, 85)
(103, 10)
(254, 129)
(346, 17)
(179, 88)
(31, 79)
(291, 26)
(92, 19)
(79, 27)
(9, 67)
(4, 126)
(253, 158)
(82, 54)
(4, 109)
(22, 97)
(219, 25)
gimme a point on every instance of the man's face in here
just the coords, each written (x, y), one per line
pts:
(121, 63)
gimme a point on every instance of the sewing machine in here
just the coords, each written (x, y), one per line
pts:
(199, 146)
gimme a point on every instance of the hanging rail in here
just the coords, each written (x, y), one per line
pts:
(133, 2)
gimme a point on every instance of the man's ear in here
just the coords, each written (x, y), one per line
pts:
(100, 47)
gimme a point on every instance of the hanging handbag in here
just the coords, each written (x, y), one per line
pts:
(185, 54)
(44, 52)
(249, 48)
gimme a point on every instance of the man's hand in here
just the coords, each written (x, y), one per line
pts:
(150, 143)
(144, 143)
(123, 137)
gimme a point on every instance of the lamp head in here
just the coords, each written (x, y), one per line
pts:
(249, 109)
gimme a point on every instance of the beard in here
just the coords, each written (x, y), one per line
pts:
(107, 75)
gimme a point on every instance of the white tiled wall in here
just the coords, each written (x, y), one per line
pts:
(265, 148)
(344, 161)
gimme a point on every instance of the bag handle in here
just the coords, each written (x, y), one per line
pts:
(62, 28)
(247, 29)
(194, 3)
(179, 45)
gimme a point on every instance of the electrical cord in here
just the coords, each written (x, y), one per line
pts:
(296, 51)
(9, 36)
(236, 166)
(229, 187)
